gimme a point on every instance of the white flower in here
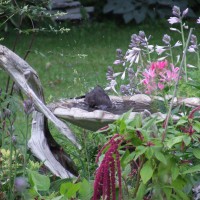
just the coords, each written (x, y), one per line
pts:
(112, 86)
(198, 20)
(173, 20)
(191, 49)
(178, 43)
(160, 49)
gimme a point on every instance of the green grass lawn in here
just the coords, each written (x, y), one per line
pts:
(72, 63)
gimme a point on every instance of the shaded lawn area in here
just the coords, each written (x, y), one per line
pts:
(72, 63)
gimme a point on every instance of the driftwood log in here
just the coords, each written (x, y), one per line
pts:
(41, 142)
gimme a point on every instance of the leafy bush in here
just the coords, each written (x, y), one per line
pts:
(139, 10)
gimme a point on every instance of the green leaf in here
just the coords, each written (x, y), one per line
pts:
(175, 172)
(160, 157)
(139, 151)
(187, 140)
(141, 191)
(149, 123)
(196, 126)
(58, 198)
(126, 171)
(149, 153)
(193, 169)
(86, 190)
(174, 140)
(122, 127)
(146, 172)
(181, 122)
(130, 157)
(138, 121)
(40, 182)
(124, 158)
(196, 153)
(69, 189)
(168, 192)
(179, 183)
(181, 194)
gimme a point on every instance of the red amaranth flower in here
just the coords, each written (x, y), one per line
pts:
(104, 184)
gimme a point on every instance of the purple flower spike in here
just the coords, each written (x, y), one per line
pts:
(185, 12)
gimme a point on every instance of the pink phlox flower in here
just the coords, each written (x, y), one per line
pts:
(160, 65)
(159, 75)
(173, 20)
(161, 86)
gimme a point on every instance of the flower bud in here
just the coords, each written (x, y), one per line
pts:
(20, 184)
(7, 113)
(176, 11)
(28, 106)
(166, 39)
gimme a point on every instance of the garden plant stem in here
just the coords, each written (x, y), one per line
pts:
(176, 86)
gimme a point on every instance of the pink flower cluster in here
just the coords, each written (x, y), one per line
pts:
(104, 183)
(159, 75)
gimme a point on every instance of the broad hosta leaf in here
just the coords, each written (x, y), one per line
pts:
(196, 153)
(146, 172)
(193, 169)
(128, 17)
(140, 14)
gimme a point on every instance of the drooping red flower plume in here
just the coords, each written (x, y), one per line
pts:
(105, 180)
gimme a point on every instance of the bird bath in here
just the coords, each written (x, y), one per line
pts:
(77, 112)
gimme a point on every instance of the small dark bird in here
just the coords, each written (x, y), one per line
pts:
(97, 98)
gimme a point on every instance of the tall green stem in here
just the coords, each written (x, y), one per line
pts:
(183, 41)
(10, 162)
(25, 144)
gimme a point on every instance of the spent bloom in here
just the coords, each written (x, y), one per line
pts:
(159, 75)
(28, 106)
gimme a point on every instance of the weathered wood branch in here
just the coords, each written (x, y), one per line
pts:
(27, 80)
(38, 145)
